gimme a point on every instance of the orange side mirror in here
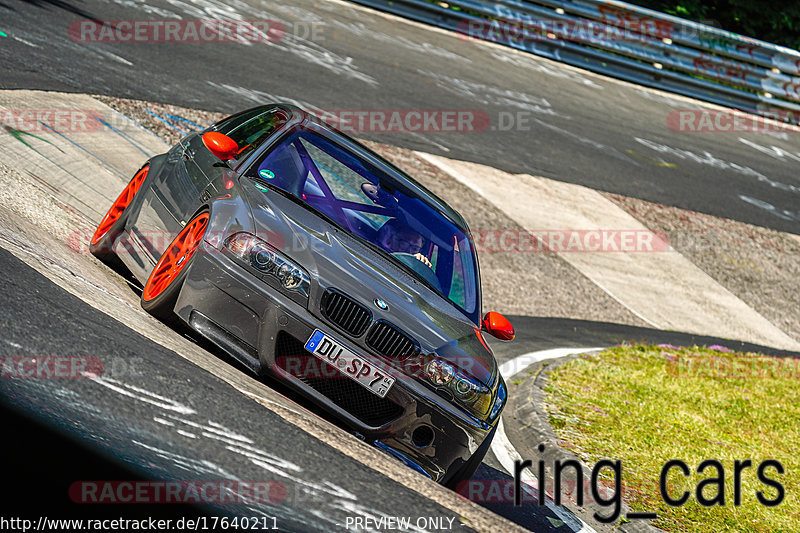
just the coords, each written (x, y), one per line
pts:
(498, 326)
(220, 145)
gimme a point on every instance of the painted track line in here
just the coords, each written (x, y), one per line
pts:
(520, 363)
(505, 452)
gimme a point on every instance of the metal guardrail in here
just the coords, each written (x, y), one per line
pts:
(632, 43)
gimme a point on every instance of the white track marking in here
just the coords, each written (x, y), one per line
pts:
(520, 363)
(144, 395)
(635, 313)
(23, 41)
(505, 452)
(114, 57)
(213, 430)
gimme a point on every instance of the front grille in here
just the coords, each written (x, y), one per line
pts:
(292, 357)
(349, 315)
(389, 341)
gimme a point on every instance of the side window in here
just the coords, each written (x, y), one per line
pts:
(457, 283)
(462, 289)
(234, 121)
(251, 128)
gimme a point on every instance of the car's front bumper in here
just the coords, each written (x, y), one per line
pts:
(254, 321)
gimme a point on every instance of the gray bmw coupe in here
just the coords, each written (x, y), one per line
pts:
(310, 258)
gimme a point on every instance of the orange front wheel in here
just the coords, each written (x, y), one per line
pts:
(161, 288)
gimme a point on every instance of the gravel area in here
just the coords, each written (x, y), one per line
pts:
(761, 266)
(143, 113)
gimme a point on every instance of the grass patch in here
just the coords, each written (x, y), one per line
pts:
(646, 405)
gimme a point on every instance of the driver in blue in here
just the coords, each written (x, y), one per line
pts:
(396, 237)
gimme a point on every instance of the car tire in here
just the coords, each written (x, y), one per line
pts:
(113, 223)
(468, 469)
(166, 279)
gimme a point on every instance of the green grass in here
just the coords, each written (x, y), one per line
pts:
(646, 405)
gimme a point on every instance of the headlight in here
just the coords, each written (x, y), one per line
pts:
(499, 401)
(261, 256)
(466, 390)
(439, 372)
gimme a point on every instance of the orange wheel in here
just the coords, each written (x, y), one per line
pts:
(119, 205)
(175, 258)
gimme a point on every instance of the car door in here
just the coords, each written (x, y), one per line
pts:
(156, 223)
(182, 188)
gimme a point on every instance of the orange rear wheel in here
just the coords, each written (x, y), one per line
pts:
(119, 205)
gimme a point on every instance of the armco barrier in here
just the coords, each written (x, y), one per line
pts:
(632, 43)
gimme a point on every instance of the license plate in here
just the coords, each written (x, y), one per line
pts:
(351, 365)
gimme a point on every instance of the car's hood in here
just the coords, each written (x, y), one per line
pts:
(335, 258)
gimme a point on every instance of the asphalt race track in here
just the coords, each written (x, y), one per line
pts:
(159, 417)
(546, 119)
(161, 412)
(139, 427)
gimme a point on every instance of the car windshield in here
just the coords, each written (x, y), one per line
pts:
(375, 207)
